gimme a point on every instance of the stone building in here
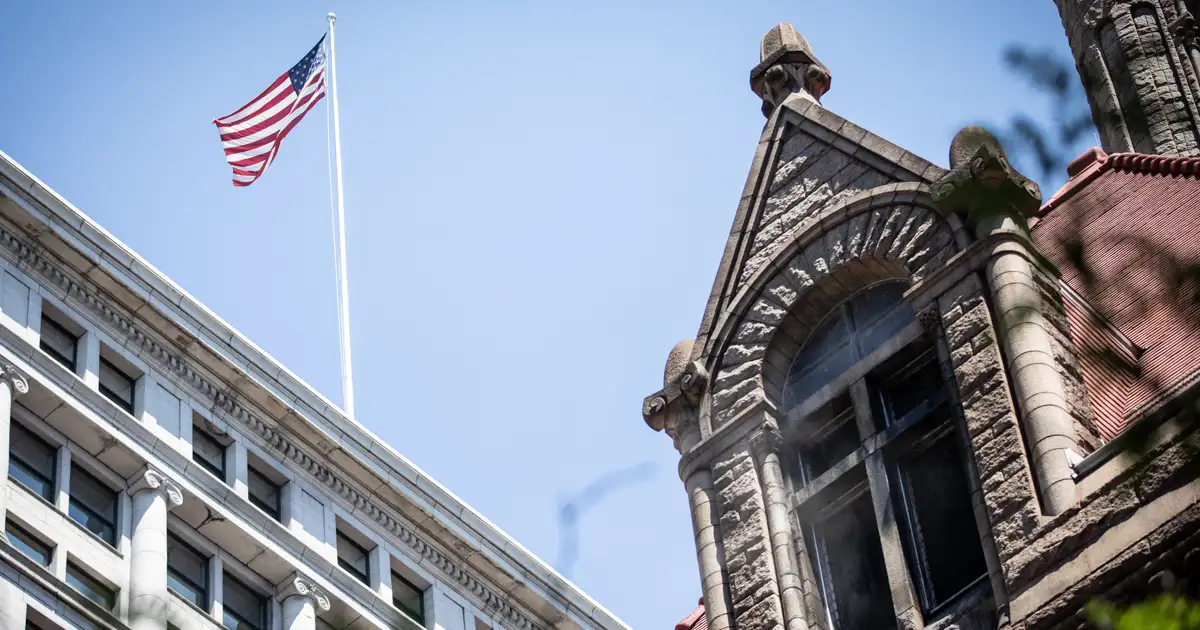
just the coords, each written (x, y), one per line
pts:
(906, 405)
(166, 473)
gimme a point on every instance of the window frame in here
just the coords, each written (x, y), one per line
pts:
(416, 615)
(15, 457)
(365, 576)
(71, 362)
(881, 435)
(264, 620)
(84, 576)
(75, 503)
(274, 511)
(199, 434)
(110, 394)
(202, 590)
(27, 538)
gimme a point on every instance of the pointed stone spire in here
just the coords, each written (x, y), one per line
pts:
(788, 68)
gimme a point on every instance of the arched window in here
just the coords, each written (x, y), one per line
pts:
(874, 441)
(847, 335)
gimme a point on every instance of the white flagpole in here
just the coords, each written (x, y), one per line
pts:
(347, 374)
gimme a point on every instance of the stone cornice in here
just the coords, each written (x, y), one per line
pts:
(33, 259)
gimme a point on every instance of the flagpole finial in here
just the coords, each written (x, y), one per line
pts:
(331, 16)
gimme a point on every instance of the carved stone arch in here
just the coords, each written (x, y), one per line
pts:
(889, 232)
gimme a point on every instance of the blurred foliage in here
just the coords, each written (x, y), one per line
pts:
(1048, 144)
(1165, 612)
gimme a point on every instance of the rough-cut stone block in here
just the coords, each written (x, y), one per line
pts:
(765, 615)
(985, 408)
(748, 573)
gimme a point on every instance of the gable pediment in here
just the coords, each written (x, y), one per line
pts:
(808, 161)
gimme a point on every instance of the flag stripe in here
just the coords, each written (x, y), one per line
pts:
(251, 136)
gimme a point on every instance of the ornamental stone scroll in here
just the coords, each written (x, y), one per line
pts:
(155, 481)
(303, 586)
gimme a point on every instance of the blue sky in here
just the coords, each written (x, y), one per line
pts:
(538, 194)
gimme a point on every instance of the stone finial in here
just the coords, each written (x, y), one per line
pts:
(674, 408)
(982, 182)
(302, 586)
(788, 67)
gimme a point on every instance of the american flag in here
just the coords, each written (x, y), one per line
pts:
(251, 136)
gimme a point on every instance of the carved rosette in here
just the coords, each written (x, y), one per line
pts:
(154, 481)
(301, 586)
(16, 380)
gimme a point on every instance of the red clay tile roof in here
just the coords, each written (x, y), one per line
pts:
(696, 620)
(1125, 208)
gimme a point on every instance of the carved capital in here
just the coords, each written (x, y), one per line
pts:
(16, 380)
(1184, 27)
(765, 441)
(674, 409)
(151, 480)
(301, 586)
(982, 184)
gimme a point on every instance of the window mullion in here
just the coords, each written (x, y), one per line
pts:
(904, 597)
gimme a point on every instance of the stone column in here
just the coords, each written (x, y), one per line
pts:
(1038, 387)
(12, 384)
(764, 445)
(301, 597)
(995, 201)
(705, 520)
(153, 494)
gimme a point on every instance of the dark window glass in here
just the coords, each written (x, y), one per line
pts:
(58, 342)
(187, 571)
(91, 588)
(353, 558)
(28, 544)
(32, 462)
(939, 522)
(116, 385)
(850, 559)
(93, 505)
(243, 608)
(828, 436)
(408, 598)
(915, 386)
(854, 330)
(208, 452)
(264, 493)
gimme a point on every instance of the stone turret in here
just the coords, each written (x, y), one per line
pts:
(1138, 64)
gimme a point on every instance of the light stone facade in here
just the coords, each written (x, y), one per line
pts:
(196, 382)
(831, 214)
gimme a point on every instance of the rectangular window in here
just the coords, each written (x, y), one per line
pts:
(116, 385)
(187, 571)
(93, 505)
(208, 452)
(32, 462)
(408, 598)
(850, 561)
(28, 544)
(353, 558)
(58, 342)
(90, 587)
(243, 608)
(264, 493)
